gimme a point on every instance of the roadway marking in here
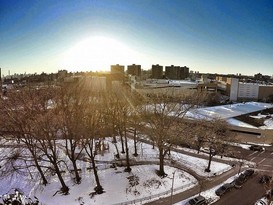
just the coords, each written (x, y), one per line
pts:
(252, 153)
(264, 170)
(252, 158)
(261, 153)
(261, 161)
(266, 165)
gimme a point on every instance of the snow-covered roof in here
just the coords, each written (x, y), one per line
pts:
(228, 111)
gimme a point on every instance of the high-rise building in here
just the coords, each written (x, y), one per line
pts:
(157, 71)
(117, 69)
(134, 70)
(176, 72)
(172, 72)
(117, 73)
(184, 72)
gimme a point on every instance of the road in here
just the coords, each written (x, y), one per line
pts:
(263, 160)
(247, 195)
(251, 190)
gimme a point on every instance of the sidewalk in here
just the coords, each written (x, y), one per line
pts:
(208, 184)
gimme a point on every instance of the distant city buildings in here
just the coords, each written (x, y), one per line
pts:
(174, 79)
(239, 90)
(157, 71)
(176, 72)
(134, 70)
(117, 69)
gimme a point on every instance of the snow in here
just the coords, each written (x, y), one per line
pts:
(239, 123)
(115, 181)
(229, 111)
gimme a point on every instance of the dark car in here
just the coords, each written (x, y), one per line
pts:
(223, 189)
(265, 179)
(256, 148)
(199, 200)
(239, 181)
(249, 172)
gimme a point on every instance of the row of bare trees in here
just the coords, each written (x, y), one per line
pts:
(58, 123)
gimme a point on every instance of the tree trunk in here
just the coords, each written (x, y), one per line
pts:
(135, 143)
(34, 155)
(77, 176)
(64, 188)
(117, 155)
(98, 188)
(73, 159)
(45, 182)
(161, 162)
(122, 143)
(210, 158)
(128, 168)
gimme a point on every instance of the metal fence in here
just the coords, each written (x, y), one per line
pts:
(154, 196)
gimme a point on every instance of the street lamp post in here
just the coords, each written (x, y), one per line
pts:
(172, 188)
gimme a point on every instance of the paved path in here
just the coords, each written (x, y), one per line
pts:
(206, 183)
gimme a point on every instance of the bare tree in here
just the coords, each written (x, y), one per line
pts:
(215, 134)
(46, 134)
(94, 125)
(71, 104)
(164, 116)
(18, 115)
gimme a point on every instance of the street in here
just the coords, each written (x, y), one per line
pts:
(247, 195)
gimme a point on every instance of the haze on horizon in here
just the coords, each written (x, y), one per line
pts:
(207, 36)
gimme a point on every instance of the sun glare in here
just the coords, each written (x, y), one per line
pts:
(97, 54)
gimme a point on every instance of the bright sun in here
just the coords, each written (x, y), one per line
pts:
(96, 54)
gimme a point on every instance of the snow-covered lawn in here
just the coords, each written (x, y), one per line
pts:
(115, 181)
(119, 186)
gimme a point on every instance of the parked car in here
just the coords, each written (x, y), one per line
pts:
(239, 181)
(262, 201)
(199, 200)
(249, 172)
(265, 179)
(207, 150)
(256, 148)
(223, 189)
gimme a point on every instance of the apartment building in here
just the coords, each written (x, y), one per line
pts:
(243, 91)
(176, 72)
(157, 71)
(134, 70)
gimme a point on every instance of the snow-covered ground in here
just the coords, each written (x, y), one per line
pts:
(116, 182)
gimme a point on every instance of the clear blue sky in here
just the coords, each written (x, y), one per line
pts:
(215, 36)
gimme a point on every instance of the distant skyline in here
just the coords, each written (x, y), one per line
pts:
(212, 36)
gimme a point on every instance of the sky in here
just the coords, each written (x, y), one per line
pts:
(212, 36)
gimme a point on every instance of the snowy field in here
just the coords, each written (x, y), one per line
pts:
(120, 187)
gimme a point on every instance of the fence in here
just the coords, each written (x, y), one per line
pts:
(153, 197)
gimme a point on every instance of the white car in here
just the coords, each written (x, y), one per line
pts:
(262, 201)
(207, 150)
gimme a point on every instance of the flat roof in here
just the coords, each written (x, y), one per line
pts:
(228, 111)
